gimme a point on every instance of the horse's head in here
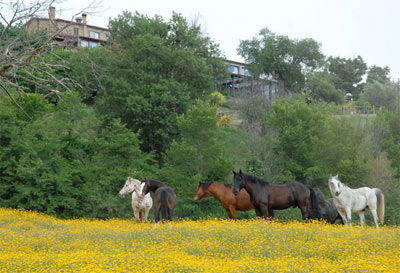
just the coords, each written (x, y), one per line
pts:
(335, 185)
(145, 187)
(238, 180)
(201, 193)
(131, 185)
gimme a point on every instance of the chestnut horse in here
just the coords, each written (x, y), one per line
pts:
(223, 193)
(164, 198)
(267, 197)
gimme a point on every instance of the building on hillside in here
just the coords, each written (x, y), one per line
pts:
(73, 34)
(78, 33)
(242, 84)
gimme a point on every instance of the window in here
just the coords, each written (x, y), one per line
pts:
(93, 34)
(233, 69)
(93, 44)
(84, 43)
(76, 31)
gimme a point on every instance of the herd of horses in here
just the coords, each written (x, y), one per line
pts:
(251, 192)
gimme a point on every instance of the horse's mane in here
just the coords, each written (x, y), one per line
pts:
(255, 179)
(319, 195)
(158, 183)
(205, 185)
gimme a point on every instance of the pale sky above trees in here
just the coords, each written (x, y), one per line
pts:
(345, 29)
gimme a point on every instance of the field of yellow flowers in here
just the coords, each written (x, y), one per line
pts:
(33, 242)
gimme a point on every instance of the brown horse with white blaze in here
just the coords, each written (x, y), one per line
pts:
(223, 193)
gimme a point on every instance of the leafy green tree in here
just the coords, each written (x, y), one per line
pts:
(64, 162)
(299, 126)
(315, 143)
(382, 94)
(387, 132)
(378, 74)
(198, 156)
(150, 71)
(348, 74)
(320, 86)
(282, 58)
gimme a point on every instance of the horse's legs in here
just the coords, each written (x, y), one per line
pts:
(375, 216)
(170, 213)
(271, 213)
(137, 215)
(348, 215)
(146, 214)
(258, 211)
(362, 218)
(156, 215)
(231, 210)
(343, 217)
(304, 212)
(141, 216)
(265, 211)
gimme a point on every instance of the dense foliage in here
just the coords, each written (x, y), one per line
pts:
(146, 106)
(150, 72)
(281, 58)
(65, 162)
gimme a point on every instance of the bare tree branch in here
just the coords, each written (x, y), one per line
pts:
(15, 102)
(22, 56)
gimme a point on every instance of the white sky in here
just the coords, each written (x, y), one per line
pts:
(345, 28)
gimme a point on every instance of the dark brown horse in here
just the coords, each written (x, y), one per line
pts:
(223, 193)
(266, 197)
(164, 199)
(329, 212)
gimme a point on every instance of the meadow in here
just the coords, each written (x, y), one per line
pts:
(34, 242)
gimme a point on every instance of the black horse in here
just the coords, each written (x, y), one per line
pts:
(266, 197)
(329, 212)
(164, 199)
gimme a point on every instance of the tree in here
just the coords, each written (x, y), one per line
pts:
(282, 58)
(347, 74)
(378, 74)
(386, 129)
(23, 61)
(320, 86)
(151, 71)
(298, 126)
(386, 94)
(64, 161)
(315, 143)
(198, 156)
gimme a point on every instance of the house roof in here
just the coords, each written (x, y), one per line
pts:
(66, 21)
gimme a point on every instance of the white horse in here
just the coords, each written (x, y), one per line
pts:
(141, 205)
(349, 200)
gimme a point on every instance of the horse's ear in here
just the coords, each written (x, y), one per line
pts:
(240, 171)
(234, 173)
(337, 176)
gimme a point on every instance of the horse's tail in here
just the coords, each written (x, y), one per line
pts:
(381, 204)
(164, 205)
(315, 205)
